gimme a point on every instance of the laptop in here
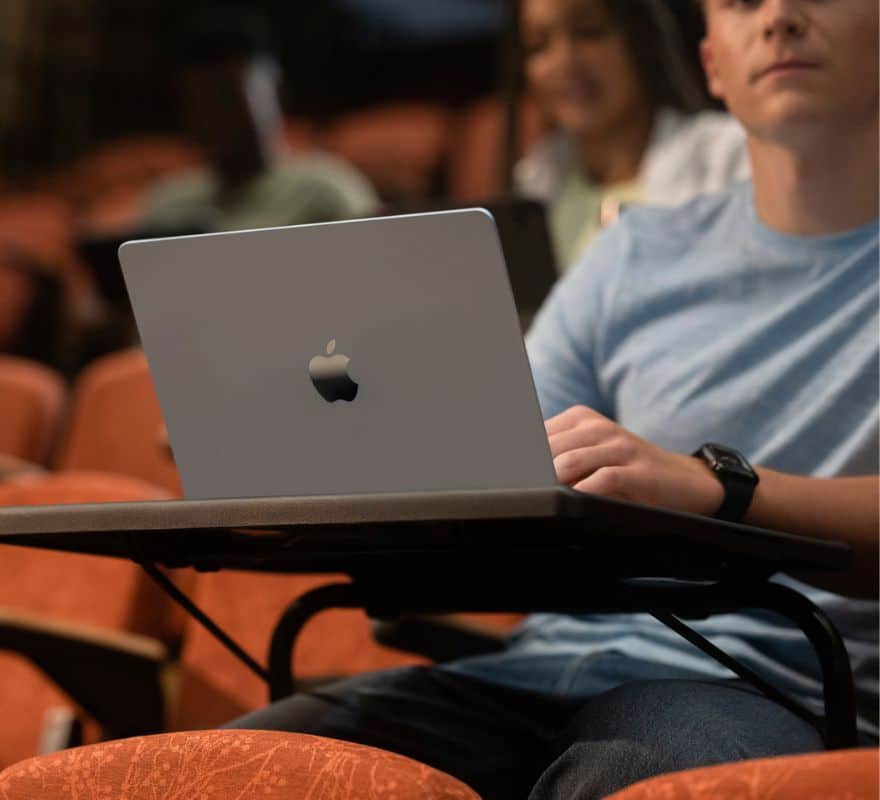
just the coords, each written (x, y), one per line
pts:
(367, 356)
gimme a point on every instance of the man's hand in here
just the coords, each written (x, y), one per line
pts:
(593, 454)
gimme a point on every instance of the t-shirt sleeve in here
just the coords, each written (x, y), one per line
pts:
(566, 342)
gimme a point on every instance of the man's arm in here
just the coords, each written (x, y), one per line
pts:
(841, 509)
(591, 453)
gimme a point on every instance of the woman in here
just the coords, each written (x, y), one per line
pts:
(627, 112)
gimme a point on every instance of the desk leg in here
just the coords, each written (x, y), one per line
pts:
(837, 680)
(839, 725)
(292, 621)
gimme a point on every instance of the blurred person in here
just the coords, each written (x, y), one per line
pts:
(747, 317)
(629, 117)
(228, 84)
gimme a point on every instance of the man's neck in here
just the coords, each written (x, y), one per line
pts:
(821, 187)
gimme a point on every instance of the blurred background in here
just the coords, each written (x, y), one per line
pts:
(75, 74)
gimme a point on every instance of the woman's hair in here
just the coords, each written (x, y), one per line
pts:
(655, 38)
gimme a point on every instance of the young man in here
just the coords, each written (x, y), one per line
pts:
(748, 318)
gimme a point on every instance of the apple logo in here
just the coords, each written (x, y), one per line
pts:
(329, 373)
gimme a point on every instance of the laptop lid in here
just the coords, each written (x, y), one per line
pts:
(527, 247)
(378, 355)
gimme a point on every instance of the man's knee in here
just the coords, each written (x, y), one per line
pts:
(652, 727)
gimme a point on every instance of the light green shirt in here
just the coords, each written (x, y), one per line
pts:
(582, 209)
(299, 191)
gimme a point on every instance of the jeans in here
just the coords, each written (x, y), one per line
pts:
(508, 743)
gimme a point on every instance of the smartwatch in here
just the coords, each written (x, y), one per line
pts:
(736, 476)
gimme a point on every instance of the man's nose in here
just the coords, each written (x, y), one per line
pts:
(784, 19)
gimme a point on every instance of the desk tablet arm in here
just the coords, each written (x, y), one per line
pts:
(114, 676)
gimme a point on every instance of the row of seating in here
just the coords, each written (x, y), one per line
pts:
(110, 446)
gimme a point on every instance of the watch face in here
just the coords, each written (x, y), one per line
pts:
(728, 460)
(733, 465)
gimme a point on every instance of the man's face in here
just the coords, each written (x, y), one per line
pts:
(781, 65)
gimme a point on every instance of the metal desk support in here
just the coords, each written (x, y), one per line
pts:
(838, 726)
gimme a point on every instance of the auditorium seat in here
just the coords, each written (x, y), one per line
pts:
(216, 687)
(61, 590)
(399, 147)
(473, 170)
(838, 775)
(220, 765)
(106, 185)
(116, 424)
(32, 398)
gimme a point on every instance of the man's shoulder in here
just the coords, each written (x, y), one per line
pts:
(686, 225)
(325, 175)
(650, 239)
(179, 193)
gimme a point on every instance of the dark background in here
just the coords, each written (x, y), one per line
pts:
(76, 73)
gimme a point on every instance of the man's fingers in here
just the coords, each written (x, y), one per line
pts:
(585, 434)
(569, 418)
(605, 481)
(574, 466)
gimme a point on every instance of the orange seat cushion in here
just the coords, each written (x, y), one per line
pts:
(245, 765)
(839, 775)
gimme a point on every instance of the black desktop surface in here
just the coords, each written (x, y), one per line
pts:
(522, 529)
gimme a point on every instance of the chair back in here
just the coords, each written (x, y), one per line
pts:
(116, 424)
(105, 593)
(32, 398)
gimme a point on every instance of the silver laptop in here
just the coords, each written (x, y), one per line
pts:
(369, 356)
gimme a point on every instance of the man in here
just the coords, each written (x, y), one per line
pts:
(748, 318)
(228, 82)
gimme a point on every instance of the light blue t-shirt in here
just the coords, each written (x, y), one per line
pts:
(702, 324)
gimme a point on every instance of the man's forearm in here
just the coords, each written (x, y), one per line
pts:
(840, 509)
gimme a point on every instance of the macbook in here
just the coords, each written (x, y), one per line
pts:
(366, 356)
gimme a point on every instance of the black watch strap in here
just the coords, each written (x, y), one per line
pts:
(736, 476)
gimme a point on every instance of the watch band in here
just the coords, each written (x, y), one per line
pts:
(736, 476)
(738, 494)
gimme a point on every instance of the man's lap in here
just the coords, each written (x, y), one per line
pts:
(501, 740)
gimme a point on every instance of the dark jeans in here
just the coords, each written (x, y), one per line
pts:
(510, 744)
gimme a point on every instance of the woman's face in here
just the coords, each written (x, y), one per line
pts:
(577, 65)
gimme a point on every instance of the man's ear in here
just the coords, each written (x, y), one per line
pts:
(713, 82)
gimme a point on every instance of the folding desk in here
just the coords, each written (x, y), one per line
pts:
(529, 550)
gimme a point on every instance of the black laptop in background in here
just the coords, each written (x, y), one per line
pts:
(100, 254)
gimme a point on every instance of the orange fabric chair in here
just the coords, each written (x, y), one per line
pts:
(116, 424)
(216, 687)
(32, 397)
(840, 775)
(103, 593)
(399, 147)
(475, 148)
(216, 765)
(40, 226)
(107, 185)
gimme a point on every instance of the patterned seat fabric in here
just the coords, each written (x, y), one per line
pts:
(217, 765)
(841, 775)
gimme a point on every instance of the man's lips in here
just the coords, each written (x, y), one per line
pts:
(784, 66)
